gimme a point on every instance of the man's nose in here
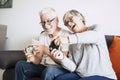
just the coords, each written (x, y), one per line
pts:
(47, 26)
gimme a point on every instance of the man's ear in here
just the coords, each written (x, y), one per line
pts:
(57, 19)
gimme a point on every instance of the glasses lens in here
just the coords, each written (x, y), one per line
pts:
(67, 23)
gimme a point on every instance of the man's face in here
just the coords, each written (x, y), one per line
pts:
(49, 23)
(74, 23)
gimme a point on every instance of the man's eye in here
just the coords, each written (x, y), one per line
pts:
(42, 22)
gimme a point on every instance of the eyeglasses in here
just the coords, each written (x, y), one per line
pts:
(47, 21)
(66, 23)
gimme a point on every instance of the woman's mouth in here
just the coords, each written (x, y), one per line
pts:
(73, 26)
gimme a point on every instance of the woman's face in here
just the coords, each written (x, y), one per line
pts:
(75, 23)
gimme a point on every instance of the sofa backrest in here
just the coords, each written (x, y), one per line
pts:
(109, 39)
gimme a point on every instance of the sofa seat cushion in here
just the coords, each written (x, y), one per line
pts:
(114, 51)
(9, 58)
(8, 74)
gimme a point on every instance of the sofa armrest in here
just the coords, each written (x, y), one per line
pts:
(9, 58)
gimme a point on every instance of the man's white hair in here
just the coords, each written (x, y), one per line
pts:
(49, 11)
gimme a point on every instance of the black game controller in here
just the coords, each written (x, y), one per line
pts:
(53, 46)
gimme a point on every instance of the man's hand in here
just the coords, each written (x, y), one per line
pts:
(41, 49)
(36, 49)
(61, 40)
(36, 55)
(30, 57)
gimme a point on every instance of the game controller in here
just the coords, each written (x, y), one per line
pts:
(53, 46)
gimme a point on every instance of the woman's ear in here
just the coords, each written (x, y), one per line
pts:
(83, 20)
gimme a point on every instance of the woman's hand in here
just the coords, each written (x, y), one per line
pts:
(56, 54)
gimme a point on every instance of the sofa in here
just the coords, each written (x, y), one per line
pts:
(9, 58)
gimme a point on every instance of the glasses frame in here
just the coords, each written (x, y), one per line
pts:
(47, 21)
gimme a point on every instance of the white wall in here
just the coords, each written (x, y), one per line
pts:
(23, 19)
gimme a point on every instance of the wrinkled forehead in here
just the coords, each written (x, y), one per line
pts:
(47, 16)
(69, 16)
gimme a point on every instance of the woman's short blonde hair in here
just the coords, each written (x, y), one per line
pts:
(72, 13)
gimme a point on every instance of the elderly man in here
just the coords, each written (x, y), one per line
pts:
(39, 59)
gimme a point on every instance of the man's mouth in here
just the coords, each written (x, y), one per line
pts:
(47, 30)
